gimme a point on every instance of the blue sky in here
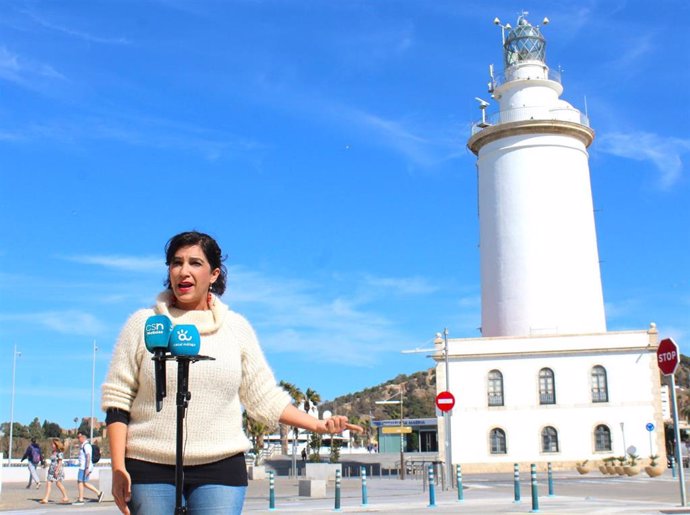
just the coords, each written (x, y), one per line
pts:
(323, 144)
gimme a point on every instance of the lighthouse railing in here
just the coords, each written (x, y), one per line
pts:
(520, 114)
(500, 78)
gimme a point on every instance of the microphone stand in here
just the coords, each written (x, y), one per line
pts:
(183, 397)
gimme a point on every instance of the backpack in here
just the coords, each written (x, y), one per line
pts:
(95, 453)
(35, 455)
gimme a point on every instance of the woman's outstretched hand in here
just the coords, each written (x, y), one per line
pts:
(337, 424)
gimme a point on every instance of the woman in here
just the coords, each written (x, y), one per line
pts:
(142, 441)
(56, 472)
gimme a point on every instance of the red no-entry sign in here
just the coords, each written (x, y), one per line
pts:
(667, 356)
(445, 401)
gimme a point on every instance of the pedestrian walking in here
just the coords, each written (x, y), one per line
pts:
(56, 471)
(85, 469)
(34, 458)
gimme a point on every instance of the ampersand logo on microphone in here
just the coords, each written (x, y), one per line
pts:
(183, 336)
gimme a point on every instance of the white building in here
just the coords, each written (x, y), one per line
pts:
(546, 382)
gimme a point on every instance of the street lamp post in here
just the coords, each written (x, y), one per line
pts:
(15, 355)
(442, 339)
(402, 435)
(93, 386)
(76, 430)
(446, 414)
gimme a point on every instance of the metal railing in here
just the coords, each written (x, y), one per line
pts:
(600, 396)
(495, 399)
(553, 75)
(520, 114)
(265, 454)
(547, 398)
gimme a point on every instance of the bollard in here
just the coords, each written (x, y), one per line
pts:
(272, 491)
(364, 487)
(535, 493)
(337, 491)
(432, 488)
(458, 477)
(550, 476)
(516, 482)
(673, 467)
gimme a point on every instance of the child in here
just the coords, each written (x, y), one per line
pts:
(56, 472)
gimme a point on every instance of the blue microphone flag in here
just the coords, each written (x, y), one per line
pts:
(157, 332)
(185, 340)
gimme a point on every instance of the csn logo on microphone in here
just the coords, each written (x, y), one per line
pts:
(155, 328)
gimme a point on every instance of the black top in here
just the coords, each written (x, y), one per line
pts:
(231, 471)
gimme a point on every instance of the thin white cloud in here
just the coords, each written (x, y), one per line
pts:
(635, 49)
(404, 138)
(118, 262)
(70, 322)
(422, 143)
(145, 131)
(298, 316)
(25, 72)
(43, 22)
(403, 285)
(665, 153)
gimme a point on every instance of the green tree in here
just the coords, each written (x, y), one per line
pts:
(85, 426)
(51, 430)
(36, 430)
(315, 445)
(335, 450)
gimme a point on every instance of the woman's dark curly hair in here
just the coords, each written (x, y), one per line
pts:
(211, 251)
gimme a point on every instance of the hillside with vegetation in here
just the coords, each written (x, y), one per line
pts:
(419, 392)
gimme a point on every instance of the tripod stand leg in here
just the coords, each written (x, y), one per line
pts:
(182, 402)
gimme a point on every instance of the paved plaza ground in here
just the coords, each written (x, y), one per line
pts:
(483, 493)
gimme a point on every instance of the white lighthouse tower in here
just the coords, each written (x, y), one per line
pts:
(546, 382)
(539, 260)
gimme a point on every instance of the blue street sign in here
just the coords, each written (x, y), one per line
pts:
(650, 427)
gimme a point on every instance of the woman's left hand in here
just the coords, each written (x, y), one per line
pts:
(337, 424)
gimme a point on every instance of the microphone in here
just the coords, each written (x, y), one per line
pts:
(156, 337)
(185, 340)
(184, 346)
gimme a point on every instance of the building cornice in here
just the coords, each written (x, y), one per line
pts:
(530, 127)
(483, 356)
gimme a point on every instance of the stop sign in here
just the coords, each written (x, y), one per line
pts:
(445, 401)
(667, 356)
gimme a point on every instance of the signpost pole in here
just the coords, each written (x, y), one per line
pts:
(446, 417)
(650, 428)
(676, 434)
(667, 359)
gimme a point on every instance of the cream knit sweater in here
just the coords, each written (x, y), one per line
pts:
(238, 376)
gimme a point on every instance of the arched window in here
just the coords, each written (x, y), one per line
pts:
(495, 388)
(602, 438)
(498, 441)
(600, 389)
(547, 388)
(549, 439)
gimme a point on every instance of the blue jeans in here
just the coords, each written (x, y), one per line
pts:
(159, 499)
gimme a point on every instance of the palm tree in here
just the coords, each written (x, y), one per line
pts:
(297, 397)
(311, 399)
(256, 430)
(368, 427)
